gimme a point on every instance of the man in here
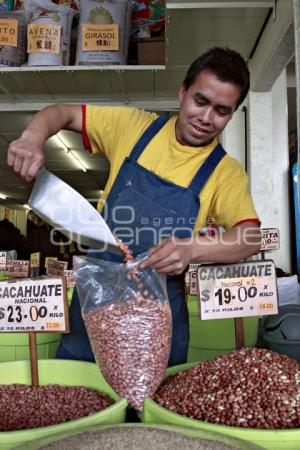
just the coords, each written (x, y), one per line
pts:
(167, 177)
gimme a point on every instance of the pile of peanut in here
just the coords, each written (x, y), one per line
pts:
(24, 407)
(251, 388)
(131, 342)
(131, 335)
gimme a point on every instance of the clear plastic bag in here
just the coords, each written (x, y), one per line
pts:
(128, 319)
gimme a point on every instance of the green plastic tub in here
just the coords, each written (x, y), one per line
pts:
(15, 346)
(200, 434)
(63, 372)
(211, 338)
(270, 439)
(70, 295)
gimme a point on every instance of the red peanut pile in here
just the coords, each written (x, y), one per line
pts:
(23, 406)
(251, 388)
(131, 342)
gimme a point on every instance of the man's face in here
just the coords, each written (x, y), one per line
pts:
(205, 109)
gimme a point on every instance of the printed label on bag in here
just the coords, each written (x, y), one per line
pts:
(9, 32)
(100, 37)
(43, 38)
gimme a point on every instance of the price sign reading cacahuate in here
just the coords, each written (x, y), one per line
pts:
(237, 290)
(33, 305)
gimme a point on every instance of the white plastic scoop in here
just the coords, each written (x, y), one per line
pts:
(66, 210)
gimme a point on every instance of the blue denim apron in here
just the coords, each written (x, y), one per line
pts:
(146, 208)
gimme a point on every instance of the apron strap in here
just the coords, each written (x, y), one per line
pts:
(207, 169)
(146, 137)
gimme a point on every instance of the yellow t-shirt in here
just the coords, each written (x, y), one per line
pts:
(113, 132)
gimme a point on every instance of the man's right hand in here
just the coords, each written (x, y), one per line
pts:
(26, 156)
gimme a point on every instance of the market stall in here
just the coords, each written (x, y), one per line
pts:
(125, 388)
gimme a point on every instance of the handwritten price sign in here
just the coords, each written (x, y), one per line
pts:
(33, 305)
(2, 261)
(237, 290)
(269, 239)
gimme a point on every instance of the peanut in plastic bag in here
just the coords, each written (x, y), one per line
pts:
(128, 319)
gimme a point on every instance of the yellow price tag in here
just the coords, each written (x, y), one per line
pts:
(100, 37)
(43, 38)
(9, 32)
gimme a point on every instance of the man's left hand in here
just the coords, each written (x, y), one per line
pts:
(170, 256)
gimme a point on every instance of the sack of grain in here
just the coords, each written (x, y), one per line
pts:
(11, 55)
(50, 24)
(115, 17)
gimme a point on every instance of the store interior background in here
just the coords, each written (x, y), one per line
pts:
(262, 134)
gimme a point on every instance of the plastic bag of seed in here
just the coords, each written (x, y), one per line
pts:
(128, 319)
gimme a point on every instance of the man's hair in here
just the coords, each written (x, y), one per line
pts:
(227, 64)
